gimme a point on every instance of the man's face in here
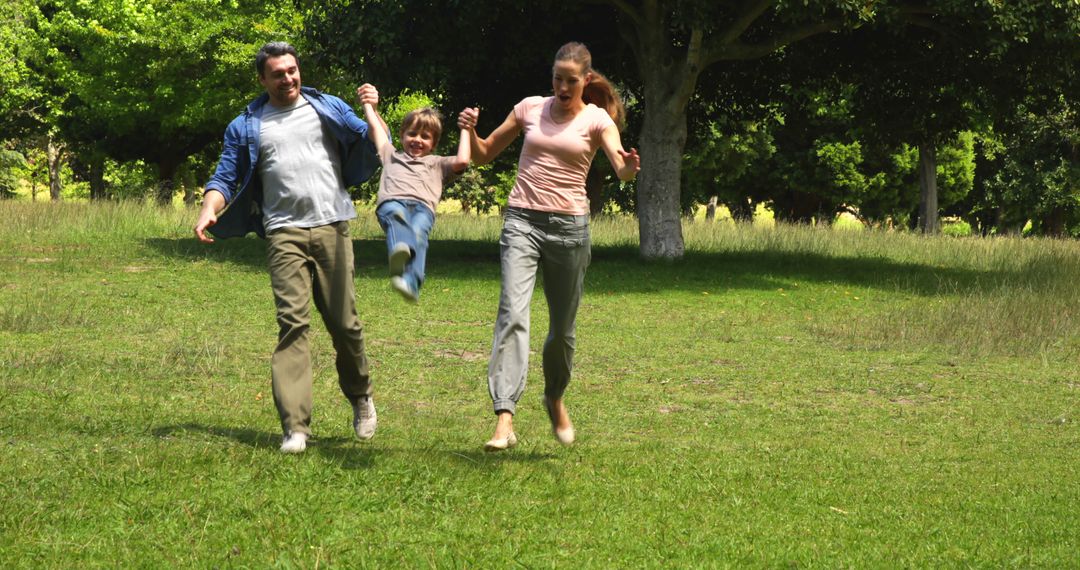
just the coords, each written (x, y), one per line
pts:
(281, 79)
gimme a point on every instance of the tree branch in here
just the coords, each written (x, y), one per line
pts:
(694, 51)
(631, 34)
(919, 9)
(930, 25)
(755, 51)
(630, 11)
(743, 22)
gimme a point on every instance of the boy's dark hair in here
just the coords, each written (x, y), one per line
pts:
(423, 119)
(273, 49)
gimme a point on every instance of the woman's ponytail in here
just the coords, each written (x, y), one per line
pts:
(602, 93)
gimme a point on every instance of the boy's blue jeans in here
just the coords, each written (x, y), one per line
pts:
(409, 222)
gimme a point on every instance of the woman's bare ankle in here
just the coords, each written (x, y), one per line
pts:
(504, 426)
(561, 415)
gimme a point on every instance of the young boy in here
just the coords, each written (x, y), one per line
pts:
(410, 187)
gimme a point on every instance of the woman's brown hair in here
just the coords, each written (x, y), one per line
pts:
(599, 91)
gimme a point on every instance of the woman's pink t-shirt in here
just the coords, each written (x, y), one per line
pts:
(555, 157)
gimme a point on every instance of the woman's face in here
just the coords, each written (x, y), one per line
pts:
(568, 82)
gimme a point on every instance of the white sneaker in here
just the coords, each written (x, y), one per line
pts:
(398, 283)
(364, 418)
(295, 442)
(399, 257)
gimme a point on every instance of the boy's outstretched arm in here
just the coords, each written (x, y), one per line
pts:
(368, 96)
(464, 152)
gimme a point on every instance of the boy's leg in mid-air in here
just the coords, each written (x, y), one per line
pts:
(393, 217)
(421, 220)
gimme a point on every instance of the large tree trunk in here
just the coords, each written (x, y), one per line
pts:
(663, 137)
(1052, 223)
(669, 68)
(929, 221)
(186, 176)
(741, 210)
(166, 186)
(97, 178)
(797, 207)
(54, 154)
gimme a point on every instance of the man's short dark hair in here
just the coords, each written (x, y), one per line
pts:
(273, 49)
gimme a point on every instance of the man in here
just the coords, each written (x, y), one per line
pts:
(283, 173)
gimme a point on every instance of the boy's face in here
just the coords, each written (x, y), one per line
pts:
(417, 142)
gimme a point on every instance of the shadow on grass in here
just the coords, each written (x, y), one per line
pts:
(480, 457)
(619, 269)
(346, 452)
(369, 254)
(246, 436)
(344, 449)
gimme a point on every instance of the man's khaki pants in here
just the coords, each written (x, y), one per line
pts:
(313, 264)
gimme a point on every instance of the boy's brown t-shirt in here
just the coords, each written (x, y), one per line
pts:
(421, 179)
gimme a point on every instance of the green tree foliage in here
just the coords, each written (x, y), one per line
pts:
(11, 163)
(720, 162)
(813, 159)
(484, 53)
(24, 96)
(480, 189)
(1031, 172)
(928, 59)
(153, 80)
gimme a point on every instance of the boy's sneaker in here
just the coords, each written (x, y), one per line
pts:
(399, 257)
(364, 417)
(295, 442)
(399, 284)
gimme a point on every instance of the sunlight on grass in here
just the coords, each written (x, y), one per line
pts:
(782, 396)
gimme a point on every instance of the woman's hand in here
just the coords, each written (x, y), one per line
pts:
(468, 118)
(631, 160)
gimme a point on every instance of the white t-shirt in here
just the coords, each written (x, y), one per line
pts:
(300, 170)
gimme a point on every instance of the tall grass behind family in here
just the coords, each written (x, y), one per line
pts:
(781, 396)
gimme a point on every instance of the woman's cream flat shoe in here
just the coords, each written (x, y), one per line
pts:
(501, 443)
(565, 436)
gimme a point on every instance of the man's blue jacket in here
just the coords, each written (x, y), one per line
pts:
(238, 181)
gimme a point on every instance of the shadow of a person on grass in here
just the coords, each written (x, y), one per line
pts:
(479, 457)
(346, 452)
(246, 436)
(619, 269)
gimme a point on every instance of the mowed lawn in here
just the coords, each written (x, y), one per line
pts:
(782, 396)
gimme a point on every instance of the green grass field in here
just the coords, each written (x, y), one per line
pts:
(783, 396)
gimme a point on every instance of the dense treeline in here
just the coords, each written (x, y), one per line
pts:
(897, 112)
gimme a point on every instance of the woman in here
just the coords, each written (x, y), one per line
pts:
(547, 224)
